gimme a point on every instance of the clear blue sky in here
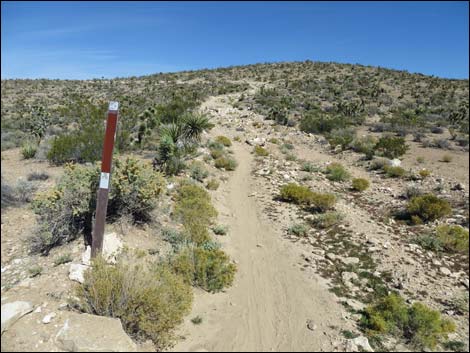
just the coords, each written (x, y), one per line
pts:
(79, 40)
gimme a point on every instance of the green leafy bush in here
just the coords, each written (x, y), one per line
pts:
(209, 269)
(212, 184)
(149, 299)
(308, 167)
(260, 151)
(29, 150)
(322, 202)
(315, 122)
(424, 173)
(391, 147)
(453, 238)
(418, 324)
(327, 219)
(342, 137)
(428, 207)
(224, 141)
(365, 145)
(394, 172)
(360, 184)
(302, 195)
(194, 209)
(226, 163)
(337, 172)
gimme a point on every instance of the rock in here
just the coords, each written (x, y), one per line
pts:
(394, 162)
(357, 344)
(77, 271)
(257, 141)
(12, 312)
(356, 305)
(112, 246)
(331, 256)
(311, 325)
(348, 277)
(445, 271)
(458, 187)
(350, 260)
(48, 318)
(464, 282)
(90, 333)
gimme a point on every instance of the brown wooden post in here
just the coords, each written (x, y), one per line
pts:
(105, 180)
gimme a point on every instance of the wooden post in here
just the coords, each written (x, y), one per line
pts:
(105, 179)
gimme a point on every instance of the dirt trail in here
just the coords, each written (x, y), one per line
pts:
(268, 307)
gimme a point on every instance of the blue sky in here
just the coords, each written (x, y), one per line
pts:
(80, 40)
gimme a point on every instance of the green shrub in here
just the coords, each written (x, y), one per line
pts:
(197, 320)
(315, 122)
(327, 220)
(391, 147)
(360, 184)
(418, 324)
(428, 208)
(274, 140)
(429, 242)
(308, 167)
(420, 159)
(212, 184)
(209, 269)
(29, 150)
(63, 259)
(342, 137)
(297, 194)
(298, 229)
(453, 238)
(198, 171)
(322, 202)
(149, 299)
(193, 208)
(379, 164)
(35, 270)
(215, 153)
(220, 229)
(224, 141)
(424, 173)
(260, 151)
(394, 172)
(225, 162)
(336, 172)
(67, 209)
(365, 145)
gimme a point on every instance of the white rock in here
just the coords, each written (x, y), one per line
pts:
(350, 260)
(445, 271)
(48, 318)
(11, 312)
(395, 162)
(354, 344)
(90, 333)
(112, 246)
(77, 271)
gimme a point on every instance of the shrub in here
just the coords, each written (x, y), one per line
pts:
(342, 137)
(76, 147)
(209, 269)
(8, 194)
(194, 209)
(224, 141)
(322, 202)
(198, 171)
(274, 140)
(446, 158)
(394, 172)
(225, 162)
(197, 320)
(327, 219)
(291, 157)
(29, 150)
(212, 184)
(308, 167)
(215, 153)
(418, 324)
(429, 242)
(379, 164)
(360, 184)
(336, 172)
(298, 229)
(35, 270)
(260, 151)
(24, 191)
(454, 238)
(391, 147)
(63, 259)
(220, 229)
(364, 145)
(297, 194)
(149, 299)
(37, 176)
(428, 207)
(420, 159)
(424, 173)
(413, 191)
(314, 122)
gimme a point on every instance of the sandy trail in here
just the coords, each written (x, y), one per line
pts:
(271, 300)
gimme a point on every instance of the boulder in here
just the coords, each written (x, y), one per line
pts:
(394, 162)
(12, 312)
(77, 271)
(358, 344)
(112, 246)
(91, 333)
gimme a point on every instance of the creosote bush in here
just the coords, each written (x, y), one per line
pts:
(327, 219)
(298, 229)
(193, 208)
(424, 173)
(418, 324)
(260, 151)
(428, 208)
(198, 171)
(337, 172)
(360, 184)
(391, 147)
(225, 162)
(148, 298)
(209, 269)
(453, 238)
(212, 184)
(394, 172)
(224, 140)
(302, 195)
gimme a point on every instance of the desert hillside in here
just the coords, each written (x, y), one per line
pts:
(304, 206)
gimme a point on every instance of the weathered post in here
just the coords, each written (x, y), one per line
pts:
(105, 178)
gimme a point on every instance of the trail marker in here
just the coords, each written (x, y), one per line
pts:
(105, 177)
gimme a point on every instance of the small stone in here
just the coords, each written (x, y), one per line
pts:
(311, 325)
(48, 318)
(77, 271)
(445, 271)
(11, 312)
(350, 260)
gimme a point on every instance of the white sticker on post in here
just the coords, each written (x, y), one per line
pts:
(113, 106)
(104, 181)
